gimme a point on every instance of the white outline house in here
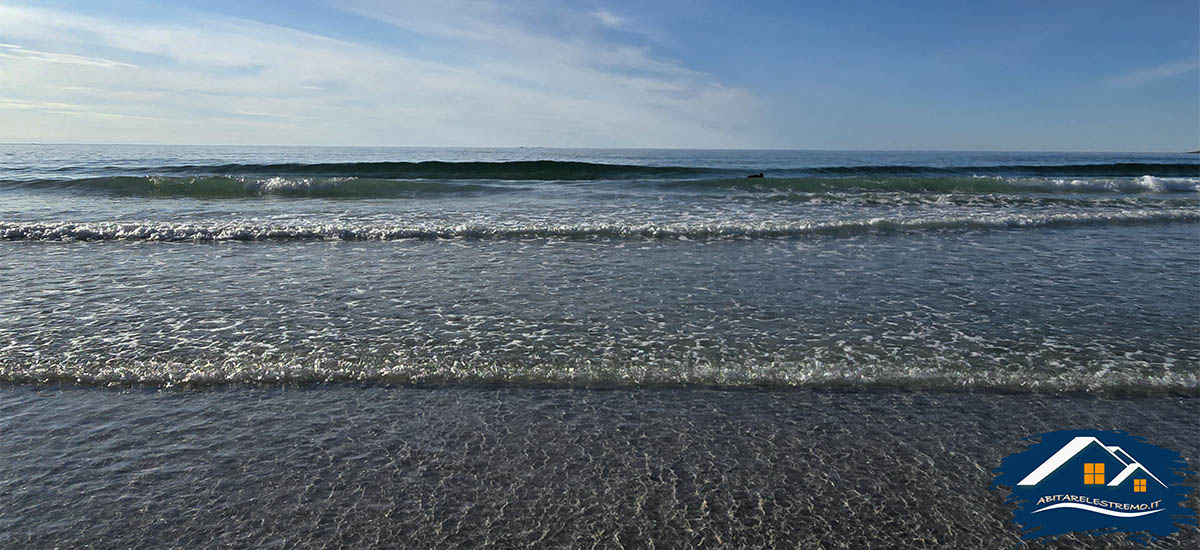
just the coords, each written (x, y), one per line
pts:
(1074, 447)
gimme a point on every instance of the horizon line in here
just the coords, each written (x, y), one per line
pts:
(793, 149)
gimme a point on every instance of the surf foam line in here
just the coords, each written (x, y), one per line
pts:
(764, 373)
(252, 231)
(1132, 169)
(940, 185)
(244, 187)
(352, 187)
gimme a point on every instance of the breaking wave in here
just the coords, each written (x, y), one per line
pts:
(946, 184)
(549, 170)
(252, 231)
(768, 374)
(236, 187)
(353, 187)
(1126, 169)
(515, 170)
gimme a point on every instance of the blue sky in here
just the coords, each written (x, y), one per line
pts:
(1066, 76)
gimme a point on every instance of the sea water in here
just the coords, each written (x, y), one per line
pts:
(409, 346)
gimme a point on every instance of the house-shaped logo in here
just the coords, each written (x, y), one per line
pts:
(1096, 464)
(1090, 480)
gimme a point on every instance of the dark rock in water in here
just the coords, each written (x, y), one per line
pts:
(758, 175)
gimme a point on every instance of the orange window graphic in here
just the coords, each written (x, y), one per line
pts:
(1093, 473)
(1139, 485)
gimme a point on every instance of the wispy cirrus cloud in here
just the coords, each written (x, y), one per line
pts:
(1151, 75)
(486, 74)
(15, 51)
(609, 19)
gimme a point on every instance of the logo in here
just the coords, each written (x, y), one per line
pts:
(1090, 480)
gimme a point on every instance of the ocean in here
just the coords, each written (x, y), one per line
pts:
(303, 347)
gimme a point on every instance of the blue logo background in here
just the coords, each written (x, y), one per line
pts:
(1092, 480)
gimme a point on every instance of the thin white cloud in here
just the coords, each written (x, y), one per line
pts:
(22, 104)
(215, 79)
(61, 109)
(609, 19)
(15, 51)
(569, 58)
(1154, 74)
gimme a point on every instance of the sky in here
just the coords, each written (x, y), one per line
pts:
(1019, 76)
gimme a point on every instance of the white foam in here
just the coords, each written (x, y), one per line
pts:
(1143, 184)
(947, 375)
(257, 231)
